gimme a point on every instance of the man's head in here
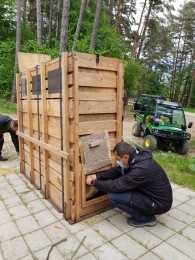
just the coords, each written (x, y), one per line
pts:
(14, 125)
(122, 152)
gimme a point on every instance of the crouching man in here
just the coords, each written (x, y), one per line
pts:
(138, 185)
(8, 125)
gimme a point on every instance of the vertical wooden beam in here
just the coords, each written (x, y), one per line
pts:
(66, 133)
(120, 94)
(30, 125)
(44, 130)
(76, 142)
(20, 115)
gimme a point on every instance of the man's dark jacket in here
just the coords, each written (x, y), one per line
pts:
(5, 128)
(152, 192)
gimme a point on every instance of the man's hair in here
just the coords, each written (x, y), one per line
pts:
(15, 123)
(123, 148)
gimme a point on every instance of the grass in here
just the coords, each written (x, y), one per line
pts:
(7, 107)
(191, 110)
(180, 169)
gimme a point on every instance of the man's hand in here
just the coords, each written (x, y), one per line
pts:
(90, 178)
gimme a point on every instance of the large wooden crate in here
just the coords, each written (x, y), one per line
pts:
(58, 102)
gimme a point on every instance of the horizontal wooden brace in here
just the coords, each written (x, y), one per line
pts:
(43, 145)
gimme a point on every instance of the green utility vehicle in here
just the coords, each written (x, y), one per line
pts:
(141, 101)
(162, 123)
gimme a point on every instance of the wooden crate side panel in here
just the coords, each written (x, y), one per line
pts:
(95, 107)
(55, 196)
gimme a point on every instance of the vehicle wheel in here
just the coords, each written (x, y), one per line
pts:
(182, 148)
(150, 142)
(137, 129)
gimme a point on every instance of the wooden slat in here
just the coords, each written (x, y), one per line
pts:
(55, 196)
(97, 96)
(95, 107)
(44, 146)
(102, 79)
(94, 127)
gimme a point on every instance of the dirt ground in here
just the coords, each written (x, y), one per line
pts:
(13, 162)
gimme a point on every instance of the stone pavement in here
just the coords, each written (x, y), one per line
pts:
(29, 226)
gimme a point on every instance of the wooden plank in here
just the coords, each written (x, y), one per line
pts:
(93, 79)
(55, 196)
(89, 61)
(44, 145)
(66, 143)
(97, 107)
(99, 96)
(55, 178)
(28, 60)
(97, 117)
(120, 95)
(91, 127)
(45, 131)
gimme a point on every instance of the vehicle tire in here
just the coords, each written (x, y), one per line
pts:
(150, 142)
(137, 129)
(182, 148)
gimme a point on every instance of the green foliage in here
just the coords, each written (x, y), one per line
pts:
(7, 51)
(180, 169)
(191, 110)
(154, 84)
(134, 70)
(7, 107)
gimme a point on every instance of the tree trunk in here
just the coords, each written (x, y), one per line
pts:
(24, 12)
(79, 23)
(50, 18)
(136, 37)
(96, 24)
(64, 27)
(58, 21)
(18, 43)
(144, 29)
(38, 8)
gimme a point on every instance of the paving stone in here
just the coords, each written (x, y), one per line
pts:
(108, 251)
(45, 218)
(186, 192)
(93, 220)
(16, 182)
(57, 214)
(92, 240)
(145, 238)
(108, 213)
(191, 202)
(4, 216)
(27, 257)
(107, 230)
(74, 228)
(21, 189)
(67, 248)
(1, 256)
(27, 224)
(180, 197)
(166, 251)
(46, 203)
(12, 176)
(56, 232)
(187, 208)
(129, 247)
(176, 203)
(149, 256)
(181, 216)
(160, 231)
(36, 206)
(12, 201)
(43, 254)
(2, 205)
(29, 196)
(189, 232)
(8, 231)
(19, 211)
(15, 248)
(183, 244)
(37, 240)
(6, 191)
(171, 222)
(121, 222)
(88, 256)
(39, 194)
(2, 179)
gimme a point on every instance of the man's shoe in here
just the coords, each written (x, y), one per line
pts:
(3, 159)
(135, 223)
